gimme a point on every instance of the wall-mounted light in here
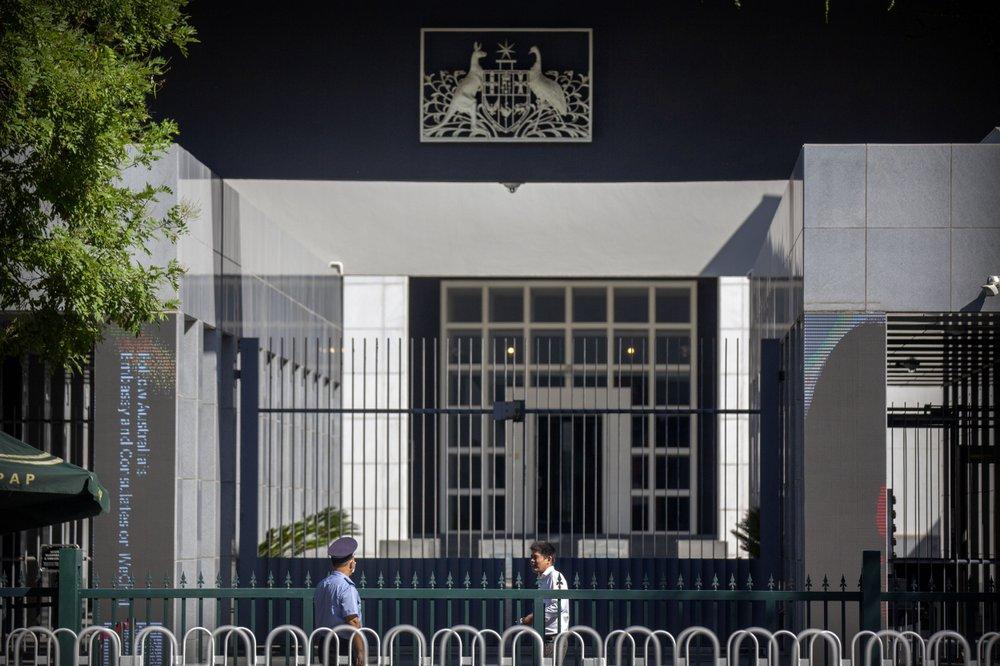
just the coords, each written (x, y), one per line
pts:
(511, 350)
(992, 286)
(630, 351)
(512, 187)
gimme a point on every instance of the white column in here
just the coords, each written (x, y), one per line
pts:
(733, 393)
(375, 460)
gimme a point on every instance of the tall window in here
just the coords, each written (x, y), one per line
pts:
(543, 334)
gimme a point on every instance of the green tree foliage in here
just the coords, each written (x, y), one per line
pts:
(312, 532)
(75, 80)
(747, 532)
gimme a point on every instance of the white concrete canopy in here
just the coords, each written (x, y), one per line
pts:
(541, 230)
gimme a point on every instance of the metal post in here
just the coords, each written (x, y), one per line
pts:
(70, 570)
(871, 587)
(769, 459)
(249, 391)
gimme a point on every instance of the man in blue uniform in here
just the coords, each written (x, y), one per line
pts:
(337, 601)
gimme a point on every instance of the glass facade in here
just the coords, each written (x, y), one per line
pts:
(530, 338)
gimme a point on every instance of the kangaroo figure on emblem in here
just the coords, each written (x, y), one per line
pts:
(464, 98)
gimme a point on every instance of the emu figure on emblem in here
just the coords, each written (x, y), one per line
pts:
(464, 99)
(544, 88)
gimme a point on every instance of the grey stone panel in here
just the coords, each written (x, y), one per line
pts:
(835, 186)
(976, 186)
(187, 438)
(207, 451)
(909, 269)
(975, 255)
(909, 186)
(834, 261)
(843, 466)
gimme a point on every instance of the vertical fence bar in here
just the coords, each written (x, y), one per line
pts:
(871, 615)
(769, 459)
(249, 463)
(70, 569)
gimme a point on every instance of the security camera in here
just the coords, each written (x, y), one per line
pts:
(337, 266)
(992, 286)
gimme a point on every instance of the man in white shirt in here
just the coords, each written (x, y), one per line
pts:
(543, 557)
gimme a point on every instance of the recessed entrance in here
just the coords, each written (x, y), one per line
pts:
(570, 491)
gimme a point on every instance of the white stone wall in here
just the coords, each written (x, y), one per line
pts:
(375, 455)
(733, 393)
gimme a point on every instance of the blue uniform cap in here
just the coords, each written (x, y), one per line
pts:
(342, 547)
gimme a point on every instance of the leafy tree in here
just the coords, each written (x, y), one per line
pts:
(312, 532)
(75, 80)
(747, 532)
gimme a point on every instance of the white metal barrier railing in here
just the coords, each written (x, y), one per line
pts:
(39, 646)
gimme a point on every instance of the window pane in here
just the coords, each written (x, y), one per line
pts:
(590, 347)
(590, 380)
(660, 469)
(463, 389)
(464, 347)
(465, 513)
(548, 305)
(678, 473)
(548, 347)
(475, 508)
(465, 431)
(673, 472)
(640, 472)
(499, 512)
(462, 471)
(632, 304)
(506, 304)
(640, 514)
(673, 348)
(673, 305)
(673, 431)
(590, 304)
(507, 346)
(630, 347)
(499, 472)
(638, 430)
(679, 514)
(635, 381)
(548, 379)
(660, 504)
(503, 382)
(673, 390)
(465, 305)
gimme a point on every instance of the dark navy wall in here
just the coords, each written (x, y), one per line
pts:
(685, 89)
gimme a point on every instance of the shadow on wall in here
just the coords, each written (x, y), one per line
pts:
(925, 544)
(976, 305)
(740, 252)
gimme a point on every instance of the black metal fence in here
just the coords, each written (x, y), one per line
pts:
(51, 409)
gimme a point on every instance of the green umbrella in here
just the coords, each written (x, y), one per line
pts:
(37, 488)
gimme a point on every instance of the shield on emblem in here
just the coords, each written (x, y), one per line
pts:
(506, 96)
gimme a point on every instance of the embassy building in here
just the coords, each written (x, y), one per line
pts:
(621, 285)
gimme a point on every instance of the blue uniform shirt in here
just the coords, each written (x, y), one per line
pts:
(336, 598)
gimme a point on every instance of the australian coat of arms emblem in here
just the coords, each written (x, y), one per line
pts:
(502, 90)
